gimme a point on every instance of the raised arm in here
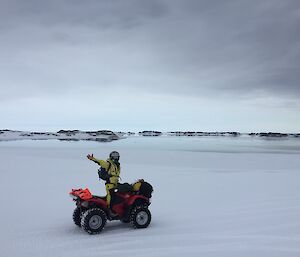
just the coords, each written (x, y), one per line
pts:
(102, 163)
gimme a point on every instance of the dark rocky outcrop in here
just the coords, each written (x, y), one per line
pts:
(269, 134)
(68, 139)
(150, 133)
(69, 132)
(8, 130)
(101, 133)
(192, 133)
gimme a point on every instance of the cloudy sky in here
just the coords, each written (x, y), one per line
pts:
(204, 65)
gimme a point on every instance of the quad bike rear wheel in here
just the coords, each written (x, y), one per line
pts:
(93, 221)
(140, 217)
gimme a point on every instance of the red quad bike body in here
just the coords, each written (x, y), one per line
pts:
(92, 213)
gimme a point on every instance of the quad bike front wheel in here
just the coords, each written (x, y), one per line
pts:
(140, 217)
(93, 220)
(77, 216)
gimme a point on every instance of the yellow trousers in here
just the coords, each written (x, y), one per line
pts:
(109, 187)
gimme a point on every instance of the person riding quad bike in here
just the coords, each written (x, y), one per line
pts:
(126, 202)
(109, 171)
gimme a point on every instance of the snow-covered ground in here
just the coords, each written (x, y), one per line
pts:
(229, 197)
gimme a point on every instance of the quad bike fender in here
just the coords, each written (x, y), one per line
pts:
(97, 203)
(135, 200)
(138, 199)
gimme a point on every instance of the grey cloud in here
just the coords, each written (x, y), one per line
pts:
(99, 14)
(254, 43)
(186, 47)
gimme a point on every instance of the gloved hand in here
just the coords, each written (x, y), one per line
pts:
(90, 157)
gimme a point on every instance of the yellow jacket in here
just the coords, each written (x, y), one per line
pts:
(112, 169)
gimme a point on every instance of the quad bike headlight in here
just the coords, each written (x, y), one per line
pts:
(85, 204)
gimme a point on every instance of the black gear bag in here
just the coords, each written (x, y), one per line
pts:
(103, 173)
(146, 189)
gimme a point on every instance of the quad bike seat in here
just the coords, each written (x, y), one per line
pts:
(124, 188)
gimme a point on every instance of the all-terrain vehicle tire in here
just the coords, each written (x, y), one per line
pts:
(77, 216)
(140, 217)
(93, 221)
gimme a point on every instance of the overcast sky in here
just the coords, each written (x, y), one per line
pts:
(142, 64)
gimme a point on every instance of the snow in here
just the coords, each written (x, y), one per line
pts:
(228, 197)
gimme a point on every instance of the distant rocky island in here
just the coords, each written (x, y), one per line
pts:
(229, 133)
(108, 135)
(63, 135)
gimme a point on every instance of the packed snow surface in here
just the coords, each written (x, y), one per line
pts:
(228, 197)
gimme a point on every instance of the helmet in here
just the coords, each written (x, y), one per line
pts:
(114, 155)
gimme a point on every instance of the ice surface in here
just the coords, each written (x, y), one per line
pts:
(212, 197)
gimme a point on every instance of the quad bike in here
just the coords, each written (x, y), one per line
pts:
(128, 206)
